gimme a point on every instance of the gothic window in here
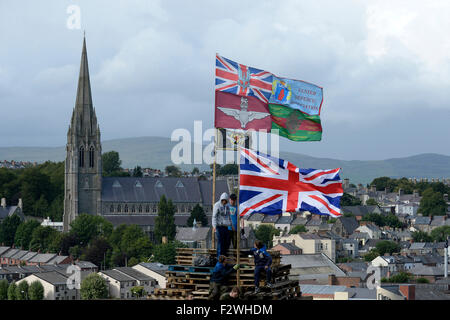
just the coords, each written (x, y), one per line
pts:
(126, 208)
(154, 208)
(147, 208)
(140, 209)
(81, 157)
(119, 208)
(111, 209)
(91, 157)
(182, 208)
(133, 209)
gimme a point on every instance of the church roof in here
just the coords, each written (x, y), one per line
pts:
(150, 189)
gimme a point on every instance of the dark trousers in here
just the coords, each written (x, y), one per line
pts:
(216, 290)
(233, 238)
(223, 241)
(258, 270)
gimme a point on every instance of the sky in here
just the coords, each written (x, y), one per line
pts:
(384, 67)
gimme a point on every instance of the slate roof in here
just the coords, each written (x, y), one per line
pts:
(42, 257)
(438, 221)
(349, 224)
(191, 234)
(150, 189)
(145, 220)
(52, 277)
(85, 264)
(417, 245)
(321, 289)
(422, 220)
(3, 250)
(361, 293)
(284, 220)
(134, 273)
(426, 271)
(271, 218)
(10, 253)
(116, 275)
(28, 256)
(309, 236)
(256, 217)
(371, 243)
(57, 259)
(156, 267)
(291, 247)
(299, 221)
(360, 210)
(19, 254)
(7, 211)
(359, 235)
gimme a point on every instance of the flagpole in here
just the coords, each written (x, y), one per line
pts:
(238, 222)
(213, 236)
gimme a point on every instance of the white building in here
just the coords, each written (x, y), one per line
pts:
(55, 285)
(58, 226)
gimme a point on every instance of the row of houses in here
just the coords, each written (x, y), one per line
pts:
(13, 256)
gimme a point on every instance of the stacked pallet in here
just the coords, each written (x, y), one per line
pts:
(187, 281)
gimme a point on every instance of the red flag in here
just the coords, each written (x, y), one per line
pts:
(238, 112)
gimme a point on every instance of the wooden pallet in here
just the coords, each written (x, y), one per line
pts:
(190, 268)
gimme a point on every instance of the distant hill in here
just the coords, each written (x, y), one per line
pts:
(155, 152)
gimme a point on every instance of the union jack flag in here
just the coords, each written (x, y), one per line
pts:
(242, 80)
(270, 185)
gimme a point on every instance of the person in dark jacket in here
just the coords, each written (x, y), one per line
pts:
(219, 277)
(263, 260)
(232, 295)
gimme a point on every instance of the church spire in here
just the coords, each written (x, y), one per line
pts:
(84, 111)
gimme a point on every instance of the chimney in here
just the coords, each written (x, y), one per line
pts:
(400, 191)
(408, 290)
(386, 190)
(373, 188)
(331, 279)
(3, 203)
(20, 204)
(164, 239)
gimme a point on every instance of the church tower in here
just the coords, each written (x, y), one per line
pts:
(83, 164)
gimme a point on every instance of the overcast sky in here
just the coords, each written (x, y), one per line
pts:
(384, 67)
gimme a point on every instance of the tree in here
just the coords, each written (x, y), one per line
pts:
(3, 289)
(137, 171)
(228, 169)
(265, 233)
(420, 236)
(36, 291)
(371, 202)
(372, 254)
(401, 277)
(138, 291)
(165, 221)
(195, 171)
(173, 171)
(298, 229)
(8, 229)
(87, 227)
(42, 237)
(111, 163)
(12, 291)
(96, 251)
(23, 233)
(40, 207)
(432, 203)
(349, 200)
(165, 253)
(199, 215)
(386, 246)
(22, 291)
(440, 234)
(93, 287)
(422, 280)
(133, 261)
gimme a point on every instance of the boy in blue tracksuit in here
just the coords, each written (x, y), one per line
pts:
(219, 277)
(263, 260)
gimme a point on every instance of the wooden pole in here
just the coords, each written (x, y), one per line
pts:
(213, 236)
(238, 222)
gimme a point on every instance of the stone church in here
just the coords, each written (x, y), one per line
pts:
(120, 200)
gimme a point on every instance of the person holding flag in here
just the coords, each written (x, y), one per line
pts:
(221, 221)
